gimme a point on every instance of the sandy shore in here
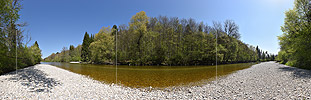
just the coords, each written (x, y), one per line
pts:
(267, 80)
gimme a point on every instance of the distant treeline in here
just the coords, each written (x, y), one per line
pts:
(164, 41)
(295, 42)
(13, 43)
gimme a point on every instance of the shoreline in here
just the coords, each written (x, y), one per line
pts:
(256, 62)
(266, 80)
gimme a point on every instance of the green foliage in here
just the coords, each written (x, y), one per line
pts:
(102, 49)
(167, 41)
(170, 41)
(73, 54)
(12, 50)
(85, 52)
(264, 56)
(295, 41)
(36, 53)
(138, 28)
(71, 50)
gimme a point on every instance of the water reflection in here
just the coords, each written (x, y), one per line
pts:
(155, 76)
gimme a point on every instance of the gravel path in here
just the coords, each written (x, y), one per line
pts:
(267, 80)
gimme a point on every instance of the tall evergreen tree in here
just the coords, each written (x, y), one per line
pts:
(36, 43)
(36, 52)
(167, 41)
(114, 29)
(85, 48)
(91, 38)
(71, 50)
(258, 53)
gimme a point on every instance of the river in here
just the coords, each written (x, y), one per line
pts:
(154, 76)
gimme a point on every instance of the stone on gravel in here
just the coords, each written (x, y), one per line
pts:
(268, 80)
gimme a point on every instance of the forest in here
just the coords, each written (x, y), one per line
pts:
(163, 40)
(295, 42)
(14, 49)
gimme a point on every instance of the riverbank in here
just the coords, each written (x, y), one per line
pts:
(262, 81)
(131, 64)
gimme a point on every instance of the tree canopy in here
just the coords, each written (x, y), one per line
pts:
(295, 43)
(13, 44)
(168, 41)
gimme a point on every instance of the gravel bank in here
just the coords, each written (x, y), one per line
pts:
(267, 80)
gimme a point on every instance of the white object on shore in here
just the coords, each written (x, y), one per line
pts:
(73, 62)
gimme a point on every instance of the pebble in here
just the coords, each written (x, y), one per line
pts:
(267, 80)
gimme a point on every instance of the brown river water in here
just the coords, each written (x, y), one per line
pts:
(154, 76)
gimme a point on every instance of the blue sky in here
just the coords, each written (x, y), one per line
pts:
(58, 23)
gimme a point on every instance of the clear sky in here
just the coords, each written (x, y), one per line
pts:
(58, 23)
